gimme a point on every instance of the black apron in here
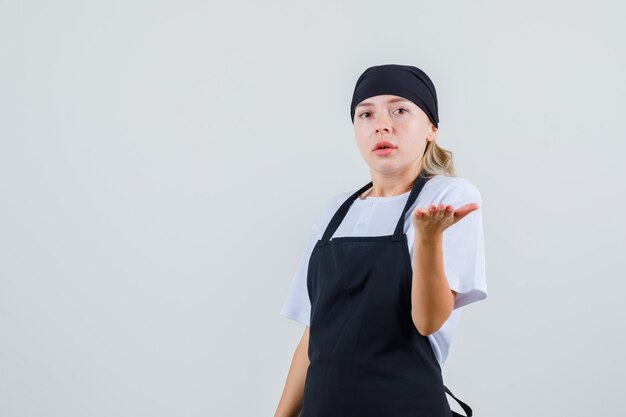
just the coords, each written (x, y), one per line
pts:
(367, 359)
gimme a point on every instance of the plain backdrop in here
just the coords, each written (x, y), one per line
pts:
(161, 164)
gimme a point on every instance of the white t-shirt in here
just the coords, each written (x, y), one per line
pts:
(463, 246)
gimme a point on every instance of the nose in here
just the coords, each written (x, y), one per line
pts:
(382, 124)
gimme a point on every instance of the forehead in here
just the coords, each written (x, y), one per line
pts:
(382, 99)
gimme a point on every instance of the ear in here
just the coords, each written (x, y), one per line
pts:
(433, 133)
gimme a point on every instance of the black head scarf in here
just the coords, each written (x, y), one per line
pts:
(400, 80)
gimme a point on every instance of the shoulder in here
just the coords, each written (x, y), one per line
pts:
(329, 207)
(452, 189)
(336, 200)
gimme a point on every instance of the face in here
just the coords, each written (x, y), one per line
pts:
(398, 121)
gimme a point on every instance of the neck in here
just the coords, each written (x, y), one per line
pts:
(392, 184)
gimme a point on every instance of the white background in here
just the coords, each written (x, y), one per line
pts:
(161, 164)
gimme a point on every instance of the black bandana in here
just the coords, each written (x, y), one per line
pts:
(399, 80)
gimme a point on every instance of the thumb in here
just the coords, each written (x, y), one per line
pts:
(464, 210)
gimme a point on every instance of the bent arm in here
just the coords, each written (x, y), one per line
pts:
(432, 300)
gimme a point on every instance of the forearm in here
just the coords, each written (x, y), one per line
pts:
(291, 400)
(431, 299)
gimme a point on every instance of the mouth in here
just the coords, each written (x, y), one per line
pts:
(383, 144)
(383, 147)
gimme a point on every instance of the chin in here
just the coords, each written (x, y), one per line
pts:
(386, 167)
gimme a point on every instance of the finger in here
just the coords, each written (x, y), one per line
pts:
(420, 213)
(441, 211)
(467, 208)
(464, 210)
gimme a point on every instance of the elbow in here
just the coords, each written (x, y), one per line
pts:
(428, 327)
(426, 332)
(427, 324)
(425, 329)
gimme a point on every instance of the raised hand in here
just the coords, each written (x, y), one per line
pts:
(430, 222)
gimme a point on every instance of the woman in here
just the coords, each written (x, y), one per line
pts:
(386, 266)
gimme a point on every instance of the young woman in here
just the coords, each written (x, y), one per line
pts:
(387, 266)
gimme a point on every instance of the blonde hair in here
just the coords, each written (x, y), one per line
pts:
(437, 160)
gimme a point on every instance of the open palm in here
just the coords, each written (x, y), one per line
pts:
(434, 219)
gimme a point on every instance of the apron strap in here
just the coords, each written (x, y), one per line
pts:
(337, 218)
(418, 184)
(341, 213)
(465, 407)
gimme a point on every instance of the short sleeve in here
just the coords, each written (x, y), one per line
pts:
(297, 305)
(464, 249)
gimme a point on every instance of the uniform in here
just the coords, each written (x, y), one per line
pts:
(463, 247)
(352, 288)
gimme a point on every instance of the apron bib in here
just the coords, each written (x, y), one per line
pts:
(367, 359)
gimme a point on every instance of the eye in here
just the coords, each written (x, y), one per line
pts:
(404, 110)
(365, 112)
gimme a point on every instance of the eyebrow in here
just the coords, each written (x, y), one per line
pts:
(393, 100)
